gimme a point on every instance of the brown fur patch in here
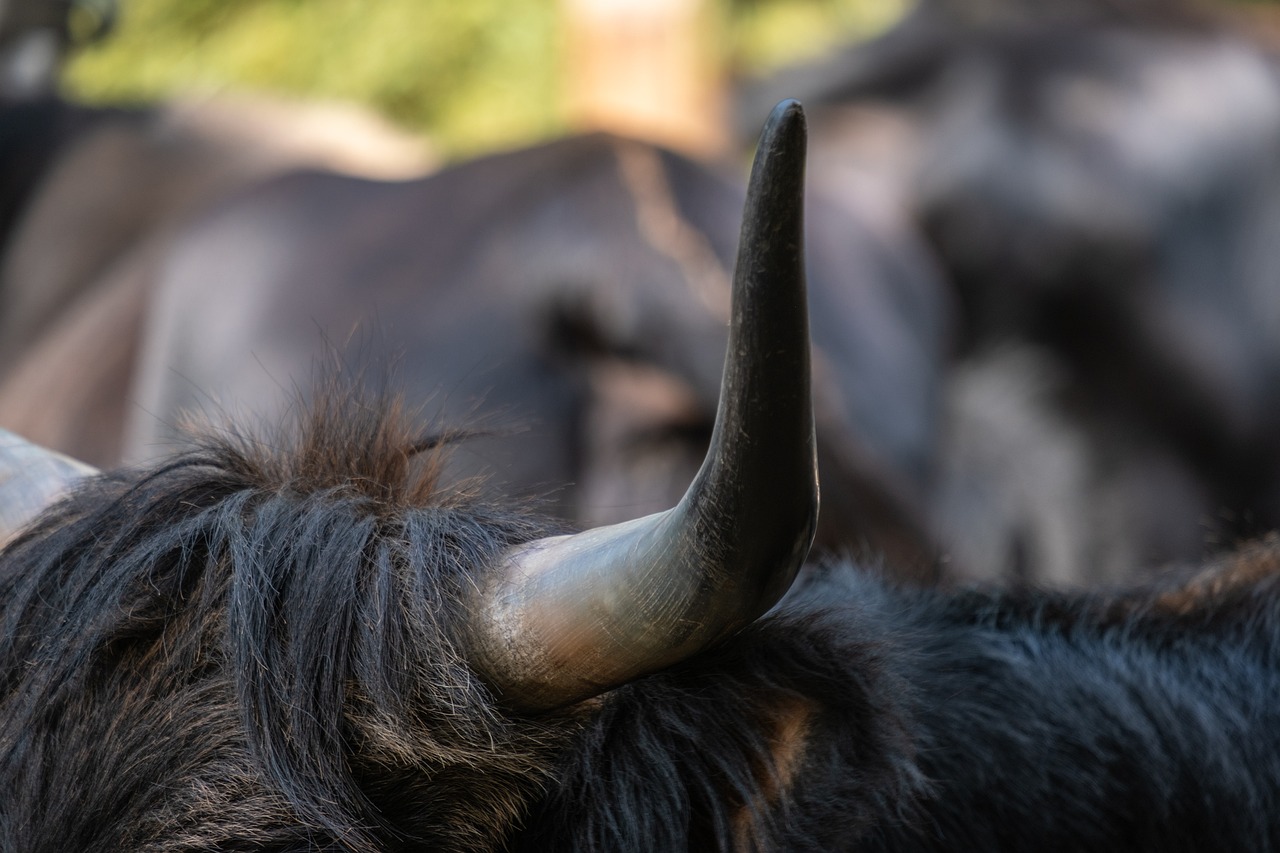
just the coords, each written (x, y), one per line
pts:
(356, 443)
(1237, 573)
(791, 721)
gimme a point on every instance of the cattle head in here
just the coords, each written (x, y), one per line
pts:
(242, 643)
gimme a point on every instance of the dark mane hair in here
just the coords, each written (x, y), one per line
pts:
(260, 640)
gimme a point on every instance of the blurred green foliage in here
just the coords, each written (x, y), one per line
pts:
(473, 74)
(766, 34)
(470, 73)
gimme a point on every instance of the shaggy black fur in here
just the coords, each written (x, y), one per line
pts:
(1142, 721)
(253, 648)
(262, 649)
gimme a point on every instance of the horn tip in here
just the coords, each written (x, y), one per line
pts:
(786, 120)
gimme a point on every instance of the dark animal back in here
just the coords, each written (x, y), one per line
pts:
(33, 134)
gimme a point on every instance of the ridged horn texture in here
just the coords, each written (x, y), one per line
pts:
(569, 617)
(31, 478)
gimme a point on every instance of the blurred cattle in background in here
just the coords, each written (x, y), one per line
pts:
(90, 196)
(1099, 182)
(575, 293)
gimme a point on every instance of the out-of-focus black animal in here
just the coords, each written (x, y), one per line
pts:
(1098, 180)
(575, 292)
(321, 645)
(89, 199)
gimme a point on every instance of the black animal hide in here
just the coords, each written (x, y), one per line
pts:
(261, 646)
(924, 721)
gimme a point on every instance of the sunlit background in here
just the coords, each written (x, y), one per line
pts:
(473, 75)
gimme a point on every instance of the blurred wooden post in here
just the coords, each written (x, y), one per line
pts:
(646, 68)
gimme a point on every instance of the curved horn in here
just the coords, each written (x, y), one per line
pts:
(31, 478)
(569, 617)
